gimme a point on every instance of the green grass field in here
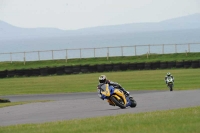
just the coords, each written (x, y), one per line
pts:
(185, 120)
(130, 80)
(171, 121)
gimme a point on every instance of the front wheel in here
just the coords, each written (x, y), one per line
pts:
(171, 87)
(117, 102)
(133, 103)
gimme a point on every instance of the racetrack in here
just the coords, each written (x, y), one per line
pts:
(85, 105)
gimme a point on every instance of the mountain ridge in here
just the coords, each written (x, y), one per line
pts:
(9, 32)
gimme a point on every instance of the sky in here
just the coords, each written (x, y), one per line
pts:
(77, 14)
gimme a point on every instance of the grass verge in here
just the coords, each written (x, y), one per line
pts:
(100, 60)
(184, 120)
(131, 80)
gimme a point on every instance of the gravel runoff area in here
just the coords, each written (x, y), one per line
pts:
(85, 105)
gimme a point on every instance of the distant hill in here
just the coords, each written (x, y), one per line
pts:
(184, 29)
(10, 32)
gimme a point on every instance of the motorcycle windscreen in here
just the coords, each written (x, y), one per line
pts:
(169, 79)
(105, 89)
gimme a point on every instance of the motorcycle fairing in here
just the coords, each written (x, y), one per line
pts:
(105, 90)
(121, 94)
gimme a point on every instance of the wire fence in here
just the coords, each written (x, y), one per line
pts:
(100, 52)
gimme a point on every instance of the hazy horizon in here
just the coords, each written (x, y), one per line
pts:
(78, 14)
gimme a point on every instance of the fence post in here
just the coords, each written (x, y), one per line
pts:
(24, 58)
(135, 51)
(163, 49)
(66, 59)
(149, 49)
(122, 50)
(80, 53)
(38, 55)
(52, 54)
(175, 48)
(66, 56)
(188, 47)
(107, 53)
(10, 57)
(94, 52)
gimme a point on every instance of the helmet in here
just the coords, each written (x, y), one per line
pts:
(102, 79)
(168, 74)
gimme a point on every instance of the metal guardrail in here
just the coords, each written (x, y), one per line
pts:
(100, 52)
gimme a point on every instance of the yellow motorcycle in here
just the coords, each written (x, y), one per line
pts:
(115, 97)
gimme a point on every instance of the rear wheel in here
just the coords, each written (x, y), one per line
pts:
(117, 102)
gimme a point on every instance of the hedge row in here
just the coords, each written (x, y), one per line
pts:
(61, 70)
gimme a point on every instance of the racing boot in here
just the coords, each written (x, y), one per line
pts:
(127, 94)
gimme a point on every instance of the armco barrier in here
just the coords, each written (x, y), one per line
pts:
(61, 70)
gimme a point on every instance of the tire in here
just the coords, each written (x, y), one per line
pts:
(116, 67)
(140, 66)
(170, 87)
(3, 74)
(124, 66)
(68, 70)
(163, 65)
(180, 64)
(84, 68)
(155, 65)
(195, 64)
(147, 66)
(108, 67)
(117, 103)
(133, 103)
(4, 100)
(171, 64)
(132, 66)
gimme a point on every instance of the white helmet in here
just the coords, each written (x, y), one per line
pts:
(102, 79)
(168, 74)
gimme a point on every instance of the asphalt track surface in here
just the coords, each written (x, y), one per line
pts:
(87, 105)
